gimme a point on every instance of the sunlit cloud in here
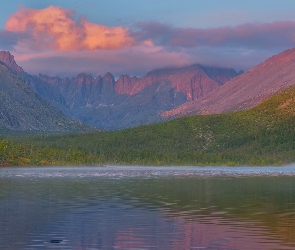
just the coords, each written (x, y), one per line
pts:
(252, 36)
(137, 61)
(57, 28)
(8, 39)
(59, 41)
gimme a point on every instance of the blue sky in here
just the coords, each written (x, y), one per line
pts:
(144, 34)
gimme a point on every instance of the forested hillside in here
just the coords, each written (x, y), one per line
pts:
(259, 136)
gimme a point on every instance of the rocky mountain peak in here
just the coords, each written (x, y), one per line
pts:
(8, 59)
(84, 78)
(108, 77)
(53, 80)
(98, 78)
(125, 84)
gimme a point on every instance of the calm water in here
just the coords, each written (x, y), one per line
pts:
(147, 208)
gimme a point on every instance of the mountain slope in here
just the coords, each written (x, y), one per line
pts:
(246, 90)
(22, 109)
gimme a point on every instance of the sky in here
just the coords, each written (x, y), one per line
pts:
(64, 38)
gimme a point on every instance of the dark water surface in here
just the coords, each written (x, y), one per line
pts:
(147, 208)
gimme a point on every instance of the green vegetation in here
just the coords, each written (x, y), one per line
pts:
(259, 136)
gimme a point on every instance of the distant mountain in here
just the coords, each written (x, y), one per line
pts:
(130, 101)
(195, 81)
(96, 101)
(22, 109)
(246, 90)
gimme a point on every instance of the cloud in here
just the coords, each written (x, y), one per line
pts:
(57, 41)
(10, 39)
(254, 36)
(56, 28)
(136, 61)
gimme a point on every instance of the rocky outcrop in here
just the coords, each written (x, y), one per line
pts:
(194, 81)
(125, 84)
(9, 61)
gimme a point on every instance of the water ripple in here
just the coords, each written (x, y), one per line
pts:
(120, 172)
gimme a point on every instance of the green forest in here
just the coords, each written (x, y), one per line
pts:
(264, 135)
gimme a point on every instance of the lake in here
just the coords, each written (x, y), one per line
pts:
(120, 207)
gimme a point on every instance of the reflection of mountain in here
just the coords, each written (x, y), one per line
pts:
(169, 213)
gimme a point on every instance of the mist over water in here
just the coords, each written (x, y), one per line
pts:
(147, 208)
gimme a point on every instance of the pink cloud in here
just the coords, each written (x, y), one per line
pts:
(57, 41)
(57, 28)
(134, 61)
(261, 35)
(10, 39)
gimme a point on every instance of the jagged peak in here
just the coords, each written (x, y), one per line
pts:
(126, 76)
(8, 59)
(109, 77)
(108, 74)
(98, 78)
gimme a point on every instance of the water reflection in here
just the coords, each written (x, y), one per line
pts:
(147, 208)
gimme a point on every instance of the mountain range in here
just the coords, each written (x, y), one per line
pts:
(110, 104)
(161, 94)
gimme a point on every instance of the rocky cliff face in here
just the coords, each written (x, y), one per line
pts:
(131, 101)
(9, 61)
(125, 84)
(194, 81)
(246, 90)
